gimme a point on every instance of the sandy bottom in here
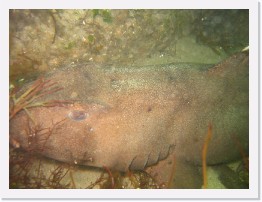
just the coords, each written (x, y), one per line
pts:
(27, 171)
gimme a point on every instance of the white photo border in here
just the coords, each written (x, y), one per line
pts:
(252, 193)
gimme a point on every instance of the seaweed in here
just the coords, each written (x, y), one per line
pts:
(27, 172)
(119, 180)
(23, 171)
(30, 97)
(104, 13)
(204, 154)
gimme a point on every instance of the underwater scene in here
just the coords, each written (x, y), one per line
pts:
(128, 99)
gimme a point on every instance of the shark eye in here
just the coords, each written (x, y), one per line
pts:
(78, 115)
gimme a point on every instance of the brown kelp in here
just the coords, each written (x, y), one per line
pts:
(204, 155)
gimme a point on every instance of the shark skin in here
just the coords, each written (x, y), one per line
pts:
(132, 118)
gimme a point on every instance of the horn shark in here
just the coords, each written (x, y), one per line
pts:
(131, 118)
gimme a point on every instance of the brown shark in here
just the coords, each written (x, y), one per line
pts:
(131, 118)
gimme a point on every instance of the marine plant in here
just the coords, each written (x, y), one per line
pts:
(30, 97)
(29, 171)
(110, 179)
(23, 172)
(204, 155)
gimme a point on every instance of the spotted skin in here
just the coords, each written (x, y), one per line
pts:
(132, 118)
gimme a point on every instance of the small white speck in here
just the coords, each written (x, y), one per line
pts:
(11, 86)
(246, 48)
(75, 162)
(15, 143)
(84, 39)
